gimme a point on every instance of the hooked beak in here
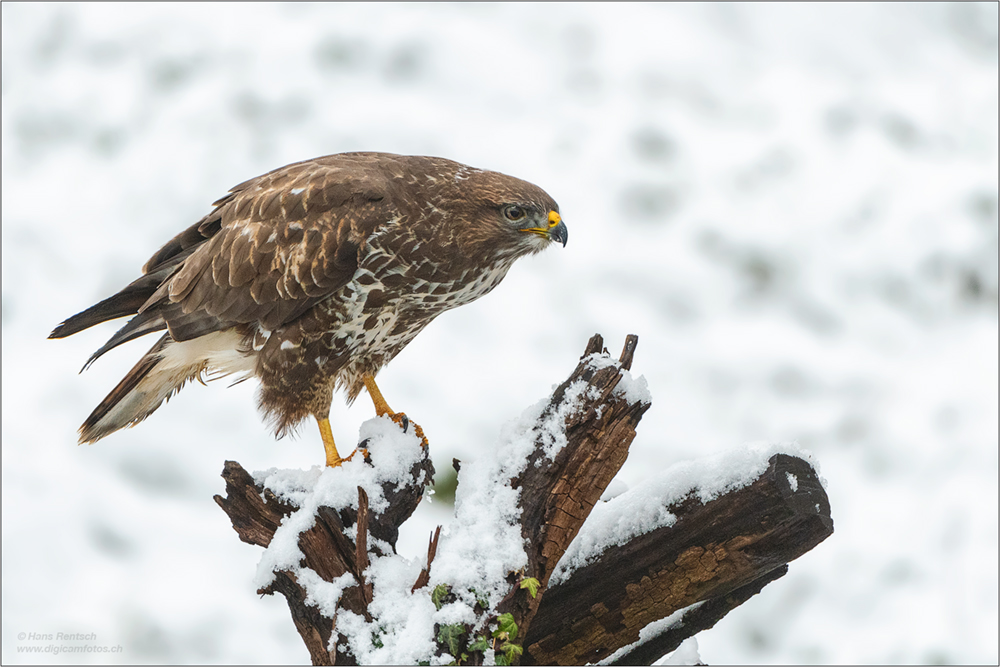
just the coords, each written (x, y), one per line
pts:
(554, 231)
(557, 228)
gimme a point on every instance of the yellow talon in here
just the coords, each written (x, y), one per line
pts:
(382, 409)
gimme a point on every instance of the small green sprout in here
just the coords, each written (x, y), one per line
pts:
(439, 593)
(451, 636)
(532, 585)
(506, 627)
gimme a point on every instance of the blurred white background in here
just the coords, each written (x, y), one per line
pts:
(793, 206)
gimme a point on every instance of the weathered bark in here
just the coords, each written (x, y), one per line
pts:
(256, 514)
(558, 494)
(712, 552)
(694, 621)
(721, 552)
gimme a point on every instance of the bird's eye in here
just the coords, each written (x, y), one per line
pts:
(514, 213)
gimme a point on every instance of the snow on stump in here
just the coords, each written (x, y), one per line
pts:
(518, 577)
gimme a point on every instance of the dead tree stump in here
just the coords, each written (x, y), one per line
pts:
(710, 559)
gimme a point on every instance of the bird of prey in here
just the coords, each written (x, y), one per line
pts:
(312, 277)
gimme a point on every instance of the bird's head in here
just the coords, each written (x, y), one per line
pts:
(508, 216)
(534, 219)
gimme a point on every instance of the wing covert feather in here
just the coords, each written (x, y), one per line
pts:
(284, 241)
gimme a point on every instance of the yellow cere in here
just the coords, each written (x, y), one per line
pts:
(554, 219)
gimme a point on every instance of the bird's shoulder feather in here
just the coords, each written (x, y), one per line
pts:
(271, 249)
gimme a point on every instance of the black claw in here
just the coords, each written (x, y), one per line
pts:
(406, 423)
(364, 443)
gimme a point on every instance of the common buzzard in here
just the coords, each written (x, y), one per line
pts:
(313, 277)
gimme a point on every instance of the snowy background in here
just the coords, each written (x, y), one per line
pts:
(794, 207)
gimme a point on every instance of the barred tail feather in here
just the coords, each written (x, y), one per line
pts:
(161, 373)
(139, 394)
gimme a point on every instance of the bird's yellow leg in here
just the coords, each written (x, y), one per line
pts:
(332, 457)
(381, 407)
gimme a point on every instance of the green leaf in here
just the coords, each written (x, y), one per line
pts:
(481, 644)
(481, 600)
(501, 660)
(451, 635)
(439, 593)
(532, 585)
(511, 651)
(506, 627)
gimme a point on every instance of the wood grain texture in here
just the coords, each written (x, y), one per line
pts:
(713, 550)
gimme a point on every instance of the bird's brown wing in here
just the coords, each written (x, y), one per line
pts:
(271, 249)
(286, 240)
